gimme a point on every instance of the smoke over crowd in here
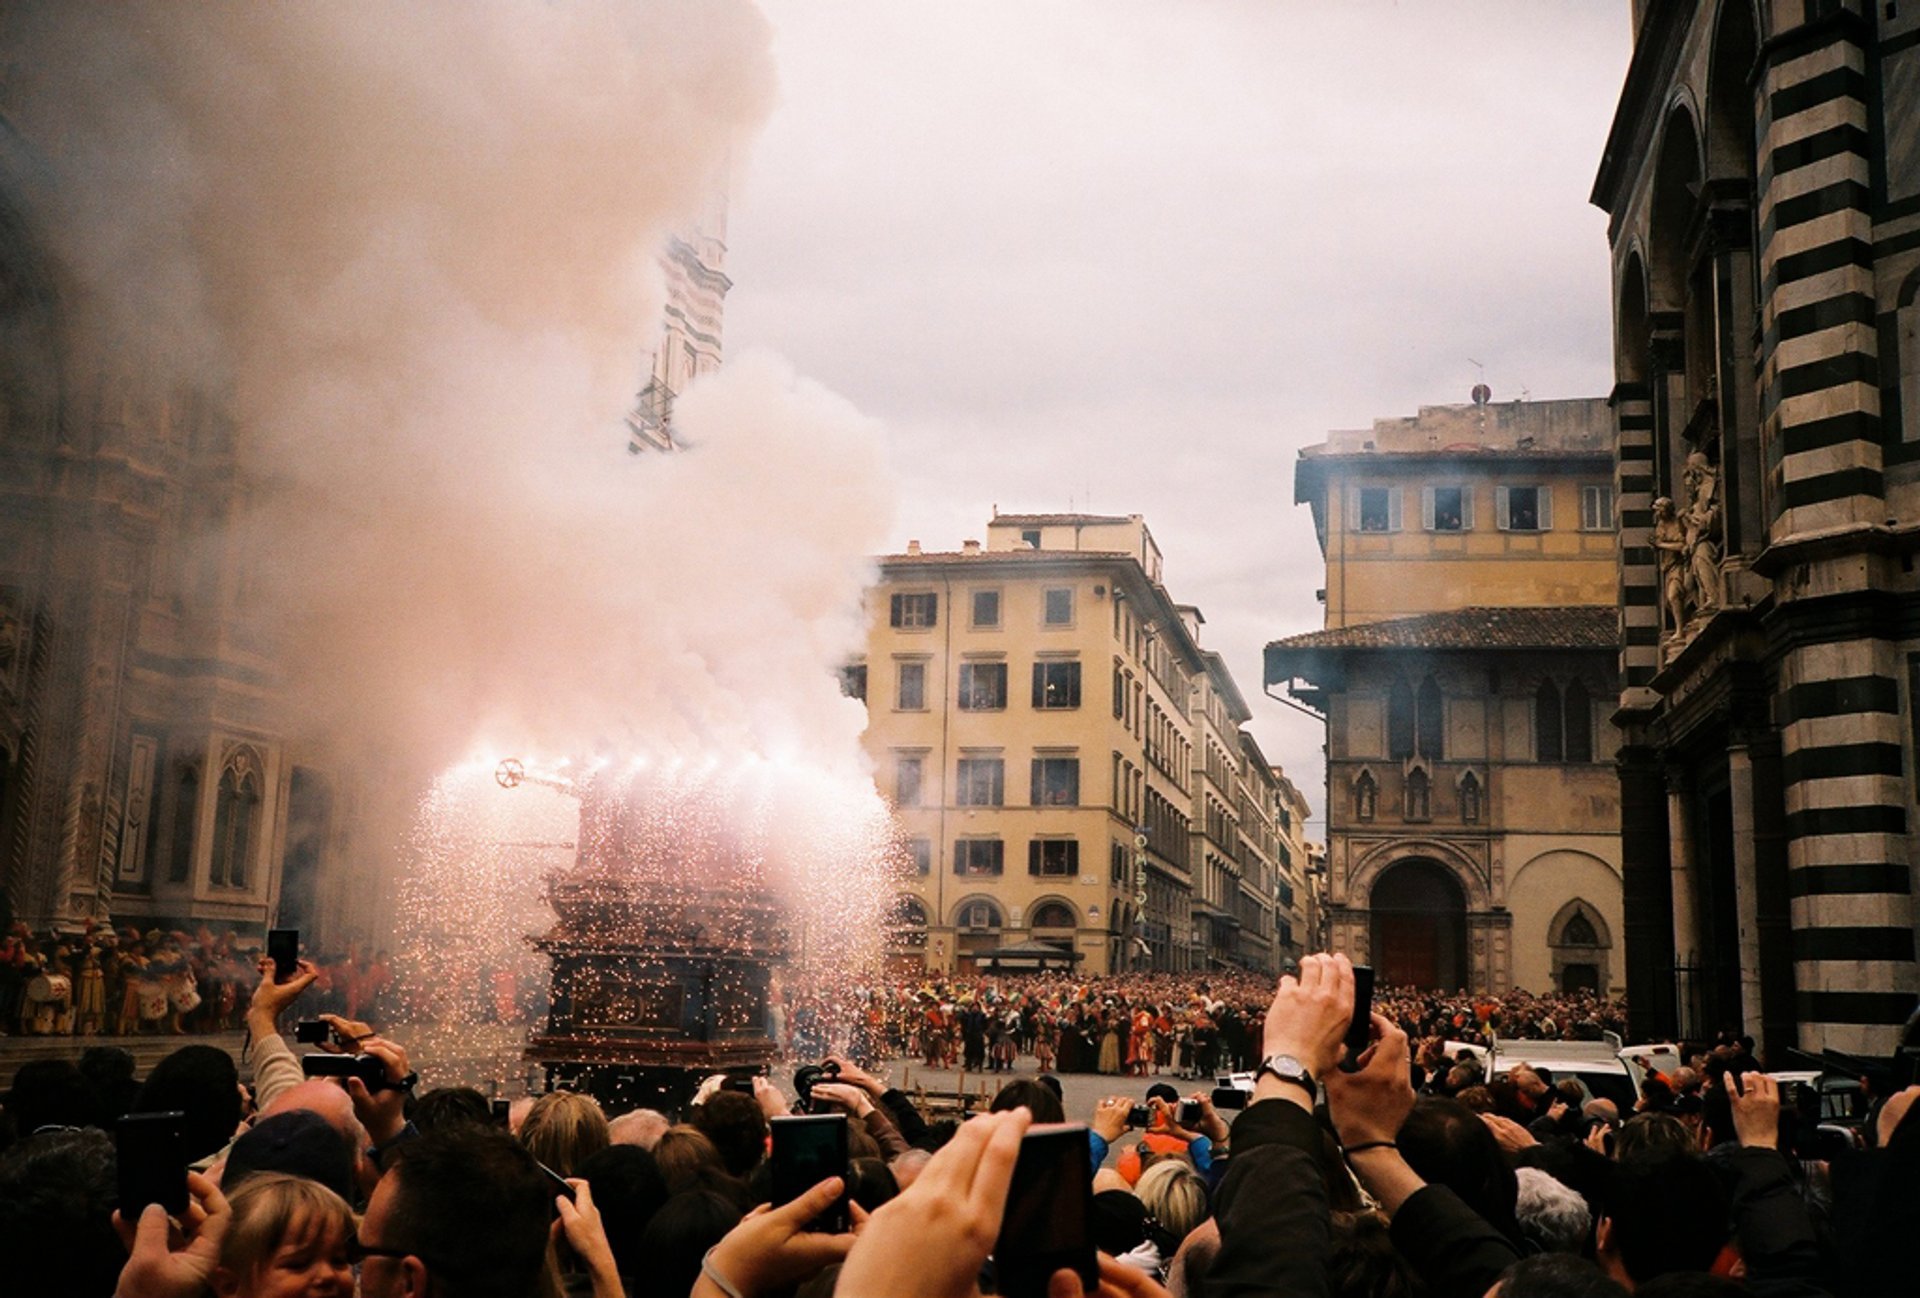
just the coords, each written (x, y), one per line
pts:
(405, 257)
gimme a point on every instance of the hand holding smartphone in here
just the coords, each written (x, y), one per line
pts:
(1048, 1223)
(283, 948)
(150, 1155)
(806, 1151)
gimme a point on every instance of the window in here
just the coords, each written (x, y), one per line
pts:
(1117, 866)
(1419, 793)
(1052, 914)
(1119, 695)
(983, 686)
(1524, 509)
(916, 612)
(1446, 509)
(1579, 726)
(1059, 606)
(1378, 509)
(1054, 857)
(1431, 721)
(1546, 723)
(907, 772)
(1400, 721)
(912, 695)
(920, 852)
(853, 681)
(1579, 931)
(1030, 538)
(1056, 781)
(236, 820)
(1596, 509)
(986, 608)
(1056, 684)
(186, 817)
(981, 782)
(975, 857)
(980, 914)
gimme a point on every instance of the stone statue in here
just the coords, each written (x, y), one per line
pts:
(1670, 544)
(1702, 526)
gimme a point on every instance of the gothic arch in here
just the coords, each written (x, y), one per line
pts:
(1586, 911)
(1677, 176)
(1465, 870)
(1582, 947)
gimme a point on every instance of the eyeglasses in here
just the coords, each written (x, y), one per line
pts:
(358, 1251)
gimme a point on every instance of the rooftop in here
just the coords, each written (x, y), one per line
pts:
(1059, 520)
(1576, 627)
(1580, 426)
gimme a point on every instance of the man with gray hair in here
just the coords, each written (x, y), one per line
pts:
(1551, 1215)
(642, 1127)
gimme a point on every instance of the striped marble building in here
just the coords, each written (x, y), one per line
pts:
(1762, 178)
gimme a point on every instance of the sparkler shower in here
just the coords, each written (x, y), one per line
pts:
(402, 259)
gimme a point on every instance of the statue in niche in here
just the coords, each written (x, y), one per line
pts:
(1702, 527)
(1670, 544)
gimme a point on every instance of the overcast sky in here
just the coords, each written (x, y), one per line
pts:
(1130, 257)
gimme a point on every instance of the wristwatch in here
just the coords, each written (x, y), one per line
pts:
(1287, 1069)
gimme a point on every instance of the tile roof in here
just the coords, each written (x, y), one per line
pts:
(1012, 556)
(1566, 627)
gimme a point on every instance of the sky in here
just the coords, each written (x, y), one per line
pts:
(1130, 257)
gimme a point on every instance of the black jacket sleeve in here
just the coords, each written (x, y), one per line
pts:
(1876, 1212)
(1771, 1223)
(907, 1118)
(1452, 1247)
(1272, 1208)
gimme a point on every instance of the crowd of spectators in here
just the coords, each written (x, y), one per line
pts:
(123, 982)
(1397, 1175)
(1187, 1025)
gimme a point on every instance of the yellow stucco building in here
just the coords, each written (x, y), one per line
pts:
(1066, 764)
(1465, 673)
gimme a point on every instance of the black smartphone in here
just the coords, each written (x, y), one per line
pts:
(503, 1113)
(559, 1182)
(737, 1083)
(1141, 1116)
(1230, 1097)
(1360, 1029)
(311, 1032)
(370, 1069)
(1191, 1112)
(150, 1150)
(1048, 1223)
(283, 948)
(806, 1151)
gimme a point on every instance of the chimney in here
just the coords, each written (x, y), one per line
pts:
(913, 547)
(969, 547)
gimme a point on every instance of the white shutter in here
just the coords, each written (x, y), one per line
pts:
(1353, 509)
(1393, 509)
(1500, 515)
(1544, 494)
(1466, 506)
(1426, 508)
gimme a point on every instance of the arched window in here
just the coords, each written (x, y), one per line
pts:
(1432, 723)
(186, 819)
(1579, 931)
(1052, 914)
(1579, 723)
(979, 914)
(1469, 798)
(1366, 796)
(1546, 723)
(1419, 795)
(236, 820)
(1400, 721)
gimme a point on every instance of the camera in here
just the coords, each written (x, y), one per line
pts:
(370, 1069)
(1140, 1116)
(311, 1032)
(804, 1079)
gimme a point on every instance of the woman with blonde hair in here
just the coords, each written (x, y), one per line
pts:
(1175, 1195)
(565, 1129)
(287, 1236)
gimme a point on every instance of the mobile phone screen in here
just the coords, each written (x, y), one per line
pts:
(806, 1151)
(283, 948)
(1360, 1030)
(502, 1112)
(150, 1153)
(1048, 1223)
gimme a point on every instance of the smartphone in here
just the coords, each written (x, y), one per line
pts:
(283, 948)
(1141, 1116)
(737, 1083)
(150, 1150)
(311, 1032)
(1048, 1223)
(503, 1113)
(1230, 1097)
(370, 1069)
(806, 1151)
(559, 1182)
(1360, 1029)
(1191, 1112)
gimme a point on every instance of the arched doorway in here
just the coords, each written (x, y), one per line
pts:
(1419, 926)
